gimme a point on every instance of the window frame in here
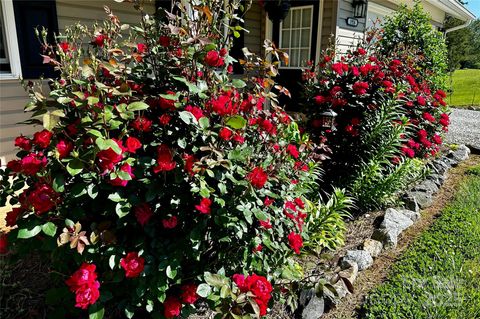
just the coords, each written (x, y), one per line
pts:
(310, 42)
(11, 44)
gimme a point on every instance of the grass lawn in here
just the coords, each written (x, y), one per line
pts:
(466, 88)
(439, 276)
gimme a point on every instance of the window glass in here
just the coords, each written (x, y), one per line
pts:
(296, 35)
(4, 63)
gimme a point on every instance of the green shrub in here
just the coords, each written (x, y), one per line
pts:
(409, 30)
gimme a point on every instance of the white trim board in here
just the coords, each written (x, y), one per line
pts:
(12, 41)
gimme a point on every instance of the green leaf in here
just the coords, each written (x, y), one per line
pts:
(137, 106)
(203, 290)
(29, 233)
(59, 183)
(187, 117)
(74, 167)
(171, 273)
(91, 100)
(97, 314)
(237, 83)
(215, 280)
(122, 209)
(204, 122)
(236, 122)
(50, 121)
(95, 133)
(114, 146)
(49, 229)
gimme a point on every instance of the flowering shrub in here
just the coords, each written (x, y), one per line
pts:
(155, 169)
(389, 110)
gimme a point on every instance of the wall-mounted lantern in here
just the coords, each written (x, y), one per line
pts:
(359, 8)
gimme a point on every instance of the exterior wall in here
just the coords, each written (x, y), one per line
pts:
(255, 24)
(347, 36)
(329, 18)
(12, 96)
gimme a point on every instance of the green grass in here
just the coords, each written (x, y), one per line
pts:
(466, 88)
(439, 276)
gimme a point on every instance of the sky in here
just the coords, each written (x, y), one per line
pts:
(474, 6)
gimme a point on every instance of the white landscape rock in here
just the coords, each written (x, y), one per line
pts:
(373, 247)
(393, 224)
(363, 259)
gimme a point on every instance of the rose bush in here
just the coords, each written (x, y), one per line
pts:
(155, 169)
(390, 108)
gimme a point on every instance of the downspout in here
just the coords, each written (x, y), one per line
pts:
(465, 25)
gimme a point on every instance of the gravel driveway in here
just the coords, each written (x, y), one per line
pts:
(464, 128)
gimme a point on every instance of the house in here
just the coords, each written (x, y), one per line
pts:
(306, 29)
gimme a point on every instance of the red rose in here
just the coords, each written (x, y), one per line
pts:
(258, 248)
(257, 177)
(142, 124)
(196, 111)
(428, 117)
(143, 213)
(14, 165)
(223, 52)
(42, 198)
(239, 139)
(189, 293)
(132, 264)
(204, 206)
(408, 152)
(3, 244)
(99, 40)
(295, 241)
(84, 276)
(32, 163)
(421, 100)
(230, 68)
(167, 104)
(292, 150)
(12, 216)
(85, 285)
(259, 286)
(239, 280)
(437, 139)
(268, 201)
(360, 88)
(225, 134)
(42, 138)
(23, 142)
(265, 224)
(123, 182)
(320, 99)
(64, 148)
(223, 104)
(141, 48)
(164, 41)
(165, 160)
(361, 51)
(189, 162)
(87, 296)
(164, 119)
(64, 46)
(172, 307)
(170, 223)
(107, 159)
(132, 144)
(213, 58)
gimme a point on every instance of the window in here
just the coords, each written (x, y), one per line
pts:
(9, 54)
(4, 64)
(296, 35)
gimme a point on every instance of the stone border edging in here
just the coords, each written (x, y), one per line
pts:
(395, 221)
